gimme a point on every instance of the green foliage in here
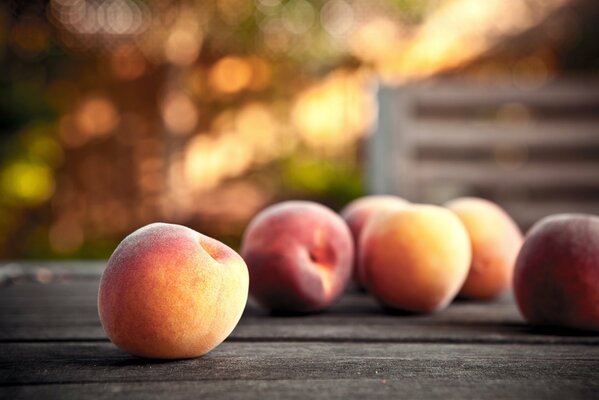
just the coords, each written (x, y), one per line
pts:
(337, 180)
(414, 10)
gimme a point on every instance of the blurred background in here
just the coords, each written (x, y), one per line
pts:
(118, 113)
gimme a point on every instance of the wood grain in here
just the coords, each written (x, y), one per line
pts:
(65, 311)
(52, 346)
(33, 363)
(352, 388)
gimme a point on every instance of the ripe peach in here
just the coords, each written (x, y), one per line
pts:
(556, 280)
(495, 240)
(416, 258)
(357, 213)
(299, 255)
(171, 292)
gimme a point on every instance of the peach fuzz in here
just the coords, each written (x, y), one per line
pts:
(299, 255)
(495, 240)
(556, 280)
(357, 213)
(416, 258)
(171, 292)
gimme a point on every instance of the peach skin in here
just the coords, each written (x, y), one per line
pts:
(495, 240)
(171, 292)
(556, 281)
(299, 255)
(416, 258)
(357, 213)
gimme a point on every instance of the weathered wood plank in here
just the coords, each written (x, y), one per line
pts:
(451, 93)
(331, 332)
(67, 311)
(34, 363)
(469, 135)
(49, 271)
(458, 141)
(347, 388)
(529, 212)
(354, 350)
(486, 173)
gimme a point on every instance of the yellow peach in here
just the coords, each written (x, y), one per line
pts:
(171, 292)
(415, 258)
(495, 239)
(357, 213)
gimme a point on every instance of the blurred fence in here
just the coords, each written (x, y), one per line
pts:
(532, 148)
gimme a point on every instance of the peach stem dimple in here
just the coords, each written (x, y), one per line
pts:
(322, 255)
(212, 251)
(313, 257)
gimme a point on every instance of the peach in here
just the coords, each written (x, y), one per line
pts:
(556, 280)
(171, 292)
(495, 240)
(358, 212)
(299, 255)
(416, 258)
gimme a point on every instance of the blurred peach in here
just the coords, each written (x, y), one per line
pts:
(416, 258)
(495, 240)
(299, 255)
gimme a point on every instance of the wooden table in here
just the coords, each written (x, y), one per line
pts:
(52, 346)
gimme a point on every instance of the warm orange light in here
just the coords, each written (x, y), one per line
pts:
(97, 116)
(376, 39)
(239, 140)
(258, 129)
(201, 167)
(209, 160)
(179, 113)
(183, 45)
(230, 75)
(457, 32)
(335, 112)
(261, 73)
(255, 121)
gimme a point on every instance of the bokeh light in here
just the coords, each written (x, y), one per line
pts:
(114, 17)
(337, 17)
(27, 183)
(117, 113)
(184, 42)
(298, 16)
(231, 75)
(335, 112)
(179, 113)
(96, 116)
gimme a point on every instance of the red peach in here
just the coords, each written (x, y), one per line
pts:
(299, 255)
(495, 240)
(415, 258)
(556, 280)
(171, 292)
